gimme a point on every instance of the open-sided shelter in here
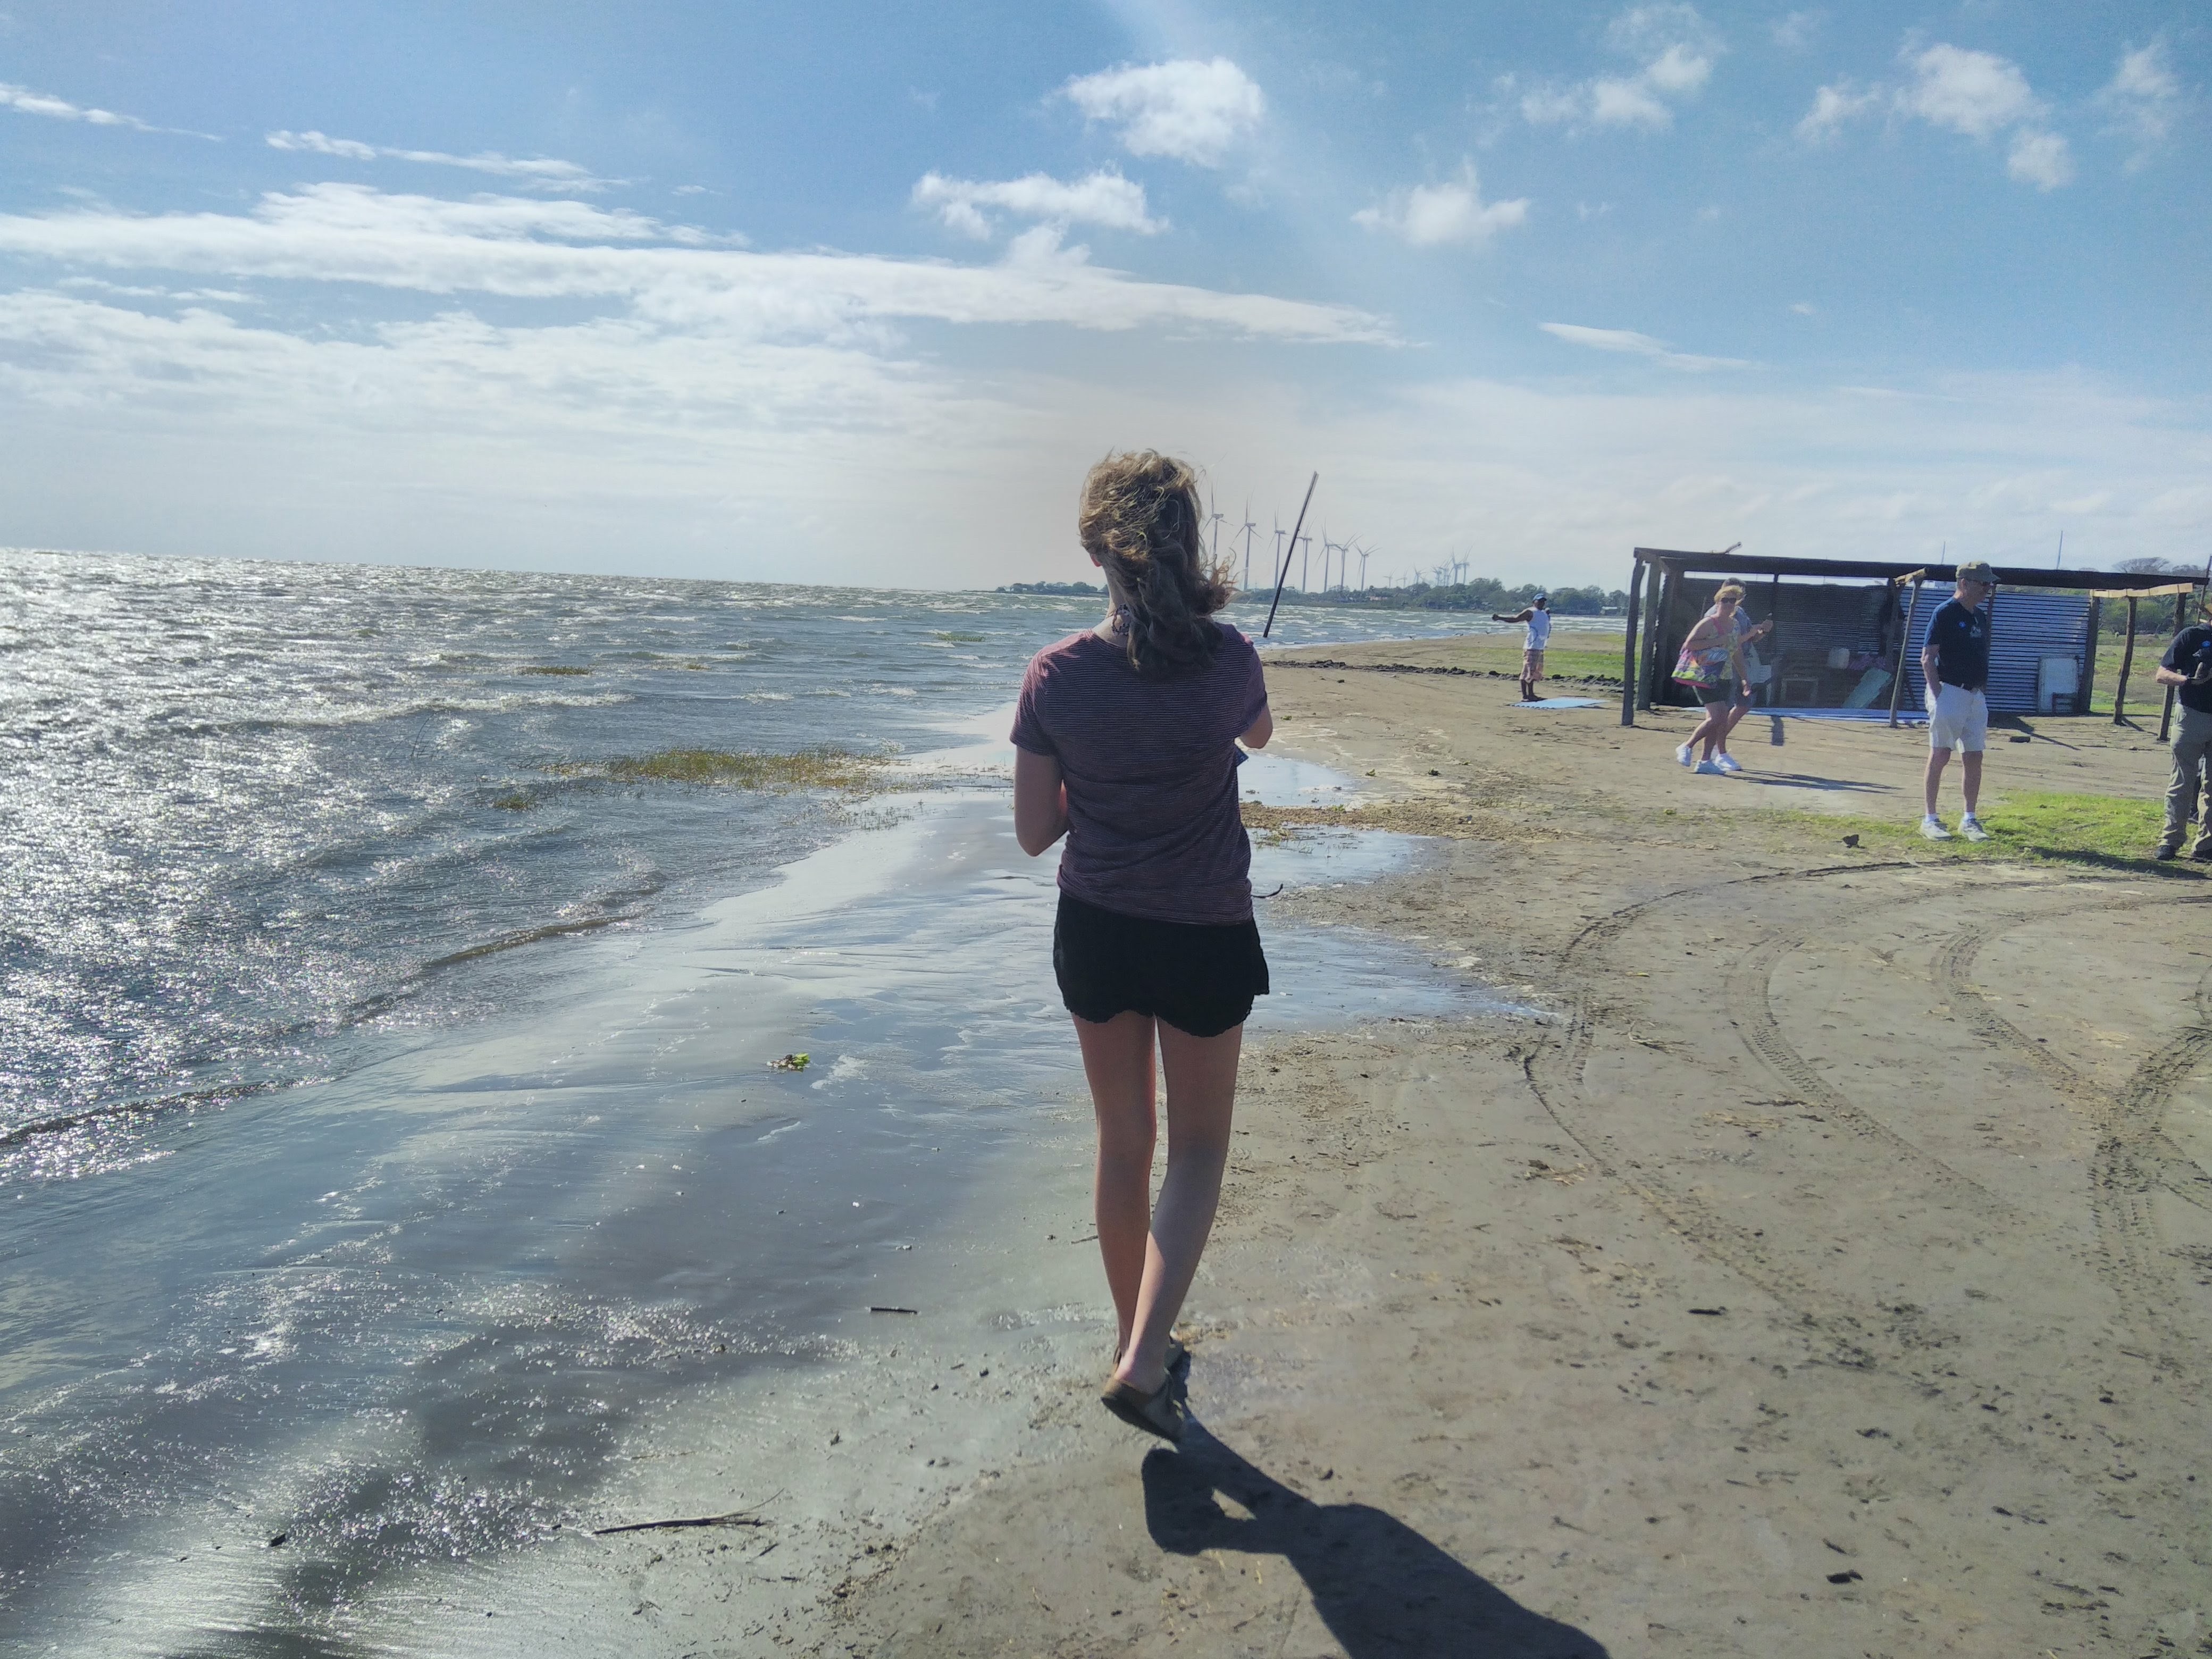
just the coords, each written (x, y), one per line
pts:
(1843, 630)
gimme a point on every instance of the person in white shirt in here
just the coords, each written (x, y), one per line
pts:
(1538, 616)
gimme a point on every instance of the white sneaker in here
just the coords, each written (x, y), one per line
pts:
(1971, 828)
(1707, 769)
(1726, 763)
(1683, 755)
(1932, 827)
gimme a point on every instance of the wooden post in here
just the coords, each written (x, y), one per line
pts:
(2127, 661)
(1905, 647)
(1628, 649)
(1773, 652)
(1644, 656)
(2166, 715)
(2089, 656)
(1664, 587)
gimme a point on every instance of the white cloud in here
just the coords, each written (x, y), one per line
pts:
(667, 276)
(1102, 199)
(2041, 159)
(1805, 308)
(1833, 106)
(1974, 92)
(2142, 98)
(1677, 47)
(1638, 345)
(1192, 110)
(1795, 32)
(1433, 216)
(24, 101)
(535, 172)
(1977, 94)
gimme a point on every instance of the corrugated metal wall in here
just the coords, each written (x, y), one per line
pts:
(2026, 624)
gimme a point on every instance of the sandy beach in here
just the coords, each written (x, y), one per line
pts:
(1827, 1271)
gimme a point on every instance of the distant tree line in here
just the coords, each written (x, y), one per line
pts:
(1485, 593)
(2164, 615)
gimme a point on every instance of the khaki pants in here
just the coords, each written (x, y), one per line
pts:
(2192, 746)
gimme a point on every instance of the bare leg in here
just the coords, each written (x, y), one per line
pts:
(1713, 729)
(1937, 760)
(1201, 1076)
(1736, 711)
(1970, 763)
(1117, 1059)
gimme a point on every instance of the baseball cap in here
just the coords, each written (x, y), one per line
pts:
(1978, 572)
(1541, 597)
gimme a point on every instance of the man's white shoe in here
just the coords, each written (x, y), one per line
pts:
(1971, 828)
(1683, 755)
(1707, 769)
(1726, 763)
(1932, 827)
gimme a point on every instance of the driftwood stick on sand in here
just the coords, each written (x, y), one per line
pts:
(734, 1518)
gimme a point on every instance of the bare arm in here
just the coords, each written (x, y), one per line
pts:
(1518, 616)
(1040, 801)
(1261, 730)
(2173, 676)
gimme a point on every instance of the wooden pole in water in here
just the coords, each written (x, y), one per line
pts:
(1905, 646)
(2127, 661)
(1284, 573)
(1628, 674)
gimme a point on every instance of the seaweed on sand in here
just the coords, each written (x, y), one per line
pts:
(804, 769)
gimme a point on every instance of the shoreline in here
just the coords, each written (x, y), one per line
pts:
(1774, 1296)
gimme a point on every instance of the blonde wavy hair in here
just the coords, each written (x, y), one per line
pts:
(1140, 519)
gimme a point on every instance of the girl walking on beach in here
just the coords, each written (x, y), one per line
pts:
(1712, 668)
(1126, 742)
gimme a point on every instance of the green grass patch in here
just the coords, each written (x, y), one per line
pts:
(561, 670)
(519, 801)
(1569, 656)
(954, 638)
(805, 768)
(2111, 832)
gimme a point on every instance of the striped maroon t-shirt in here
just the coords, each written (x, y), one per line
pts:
(1151, 767)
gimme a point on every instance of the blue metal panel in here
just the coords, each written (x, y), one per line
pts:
(2026, 626)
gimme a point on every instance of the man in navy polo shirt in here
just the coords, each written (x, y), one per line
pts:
(1955, 666)
(2188, 668)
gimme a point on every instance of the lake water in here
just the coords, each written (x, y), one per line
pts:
(388, 1141)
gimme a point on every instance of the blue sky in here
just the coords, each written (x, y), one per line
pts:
(853, 292)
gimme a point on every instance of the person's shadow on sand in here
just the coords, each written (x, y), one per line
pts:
(1381, 1587)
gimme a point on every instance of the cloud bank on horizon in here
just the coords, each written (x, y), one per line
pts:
(1526, 290)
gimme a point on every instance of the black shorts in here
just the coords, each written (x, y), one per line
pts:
(1199, 978)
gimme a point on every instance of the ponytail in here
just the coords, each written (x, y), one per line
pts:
(1139, 518)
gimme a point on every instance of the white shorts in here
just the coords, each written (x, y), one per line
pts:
(1958, 719)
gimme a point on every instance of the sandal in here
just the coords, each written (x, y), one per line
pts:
(1158, 1413)
(1178, 1358)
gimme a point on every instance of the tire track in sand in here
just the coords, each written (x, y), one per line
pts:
(1555, 1073)
(2134, 1155)
(1751, 1011)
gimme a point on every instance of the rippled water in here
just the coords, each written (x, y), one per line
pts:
(385, 1125)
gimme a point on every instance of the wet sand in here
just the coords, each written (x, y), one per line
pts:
(1829, 1273)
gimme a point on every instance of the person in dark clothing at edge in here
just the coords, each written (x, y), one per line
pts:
(1955, 666)
(2187, 666)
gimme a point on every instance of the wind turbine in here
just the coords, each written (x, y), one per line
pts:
(1306, 552)
(1215, 519)
(1246, 531)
